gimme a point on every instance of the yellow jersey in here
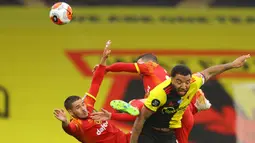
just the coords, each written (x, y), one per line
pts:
(168, 106)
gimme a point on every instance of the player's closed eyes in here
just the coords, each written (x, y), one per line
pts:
(77, 107)
(178, 81)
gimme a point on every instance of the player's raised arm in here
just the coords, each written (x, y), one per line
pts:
(218, 69)
(98, 77)
(139, 123)
(155, 100)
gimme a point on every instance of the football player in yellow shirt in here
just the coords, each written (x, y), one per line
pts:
(166, 103)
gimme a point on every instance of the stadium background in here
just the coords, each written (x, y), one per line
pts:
(42, 63)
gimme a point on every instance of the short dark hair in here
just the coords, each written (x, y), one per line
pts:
(147, 57)
(70, 100)
(180, 69)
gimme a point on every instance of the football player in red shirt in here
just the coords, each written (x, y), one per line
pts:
(152, 74)
(82, 126)
(147, 66)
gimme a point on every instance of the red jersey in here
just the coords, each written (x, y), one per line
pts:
(152, 73)
(90, 131)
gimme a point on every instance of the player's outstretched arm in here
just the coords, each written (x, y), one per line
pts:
(215, 70)
(98, 76)
(139, 123)
(123, 67)
(128, 67)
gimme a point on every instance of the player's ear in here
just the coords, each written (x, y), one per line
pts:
(70, 112)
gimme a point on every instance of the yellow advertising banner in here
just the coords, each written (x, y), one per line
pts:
(42, 63)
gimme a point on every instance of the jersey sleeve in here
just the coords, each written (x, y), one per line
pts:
(143, 68)
(122, 67)
(156, 98)
(198, 79)
(147, 68)
(129, 67)
(70, 129)
(90, 96)
(122, 117)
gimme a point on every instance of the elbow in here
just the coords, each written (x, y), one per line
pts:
(109, 68)
(66, 129)
(206, 75)
(139, 122)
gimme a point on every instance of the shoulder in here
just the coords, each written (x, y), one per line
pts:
(160, 90)
(150, 65)
(75, 123)
(197, 80)
(198, 76)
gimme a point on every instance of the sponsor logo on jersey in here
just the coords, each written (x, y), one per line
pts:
(102, 128)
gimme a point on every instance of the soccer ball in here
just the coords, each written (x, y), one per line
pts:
(61, 13)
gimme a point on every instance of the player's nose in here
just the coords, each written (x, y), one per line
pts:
(84, 109)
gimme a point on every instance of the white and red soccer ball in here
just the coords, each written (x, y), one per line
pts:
(61, 13)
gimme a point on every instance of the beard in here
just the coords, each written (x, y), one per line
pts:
(180, 92)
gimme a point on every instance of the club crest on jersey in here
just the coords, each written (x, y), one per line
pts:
(155, 103)
(102, 128)
(97, 122)
(90, 120)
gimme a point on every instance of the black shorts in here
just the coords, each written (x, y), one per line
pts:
(150, 135)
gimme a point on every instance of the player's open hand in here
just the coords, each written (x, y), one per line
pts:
(106, 53)
(101, 116)
(60, 115)
(240, 61)
(107, 50)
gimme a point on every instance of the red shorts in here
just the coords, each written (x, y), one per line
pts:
(118, 137)
(122, 138)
